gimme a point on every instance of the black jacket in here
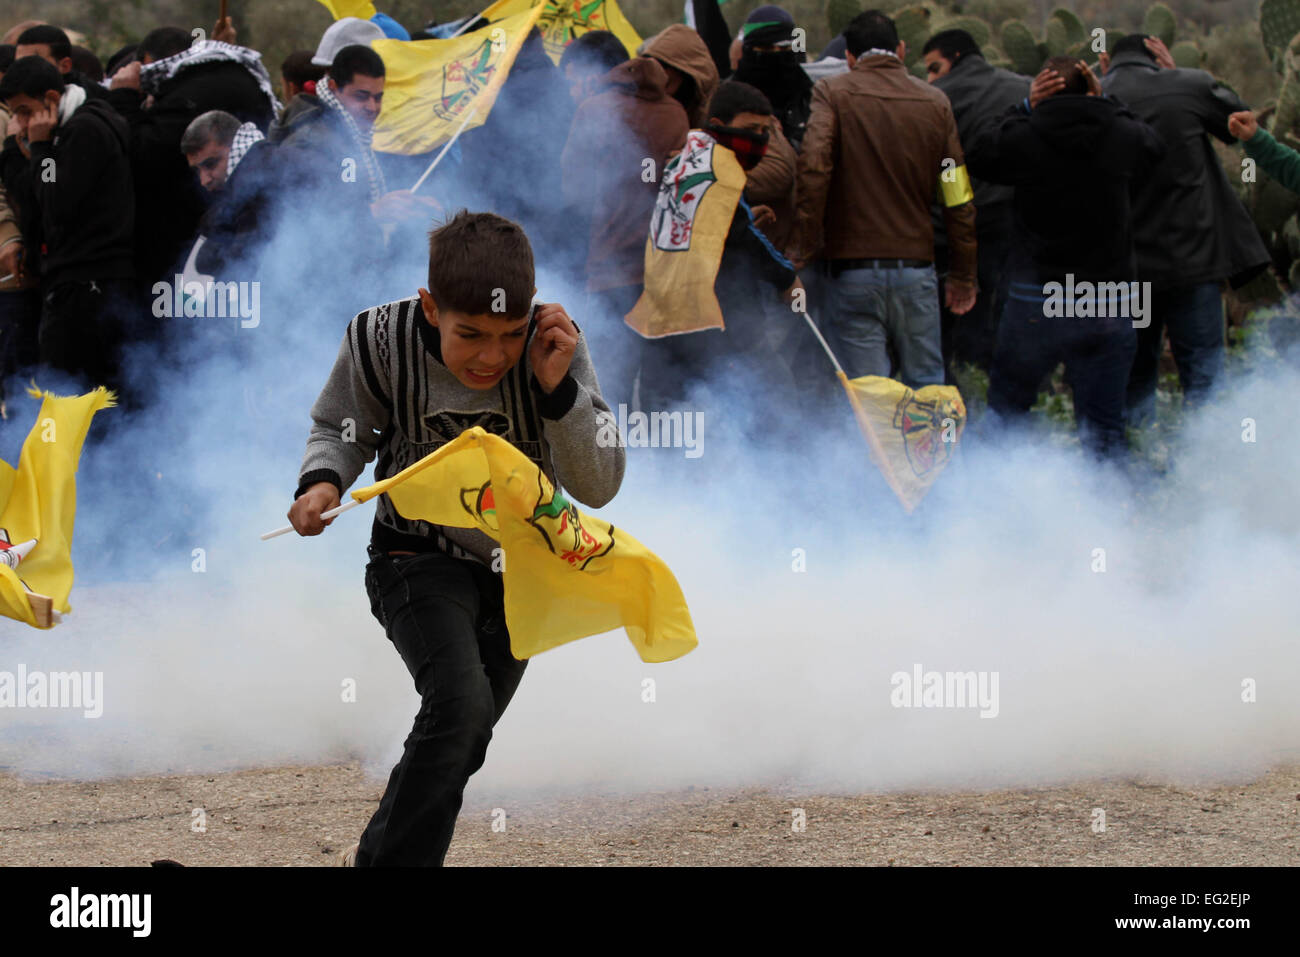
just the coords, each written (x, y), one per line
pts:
(169, 200)
(1190, 225)
(240, 218)
(81, 219)
(981, 95)
(1072, 162)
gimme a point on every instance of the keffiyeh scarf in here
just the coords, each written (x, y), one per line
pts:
(363, 139)
(245, 137)
(155, 74)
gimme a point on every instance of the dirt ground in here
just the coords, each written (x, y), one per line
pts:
(306, 815)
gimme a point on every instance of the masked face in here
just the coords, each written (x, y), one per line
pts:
(746, 135)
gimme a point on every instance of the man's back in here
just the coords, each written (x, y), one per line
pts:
(980, 95)
(1190, 226)
(872, 156)
(1071, 162)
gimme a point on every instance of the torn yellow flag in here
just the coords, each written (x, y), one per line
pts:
(911, 434)
(563, 20)
(697, 199)
(566, 575)
(361, 9)
(432, 85)
(38, 504)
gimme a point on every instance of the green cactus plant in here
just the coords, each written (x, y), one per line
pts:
(1057, 37)
(1279, 21)
(1020, 48)
(1074, 29)
(839, 13)
(913, 25)
(980, 31)
(1287, 118)
(1186, 54)
(1160, 22)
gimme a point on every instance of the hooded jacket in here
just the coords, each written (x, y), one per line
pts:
(86, 211)
(1072, 162)
(681, 48)
(604, 172)
(169, 201)
(1190, 225)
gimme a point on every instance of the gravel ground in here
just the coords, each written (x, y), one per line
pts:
(306, 815)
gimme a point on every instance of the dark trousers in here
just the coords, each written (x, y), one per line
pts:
(446, 619)
(20, 315)
(1097, 353)
(1194, 317)
(970, 338)
(83, 328)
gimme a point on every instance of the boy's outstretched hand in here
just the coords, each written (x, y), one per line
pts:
(304, 516)
(553, 345)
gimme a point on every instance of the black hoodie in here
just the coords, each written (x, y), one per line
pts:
(87, 208)
(1072, 162)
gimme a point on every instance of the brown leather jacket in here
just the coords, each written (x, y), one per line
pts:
(871, 166)
(771, 183)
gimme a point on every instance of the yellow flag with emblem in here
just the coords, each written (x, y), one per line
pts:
(911, 434)
(566, 575)
(562, 21)
(697, 199)
(433, 85)
(361, 9)
(38, 504)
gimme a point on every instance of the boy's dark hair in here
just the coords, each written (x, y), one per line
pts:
(1133, 43)
(32, 76)
(477, 258)
(734, 97)
(47, 35)
(297, 68)
(87, 64)
(7, 53)
(352, 60)
(870, 30)
(1071, 69)
(597, 51)
(952, 45)
(163, 42)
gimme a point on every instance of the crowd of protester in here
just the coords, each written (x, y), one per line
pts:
(182, 157)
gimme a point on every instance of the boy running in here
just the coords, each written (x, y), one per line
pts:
(410, 377)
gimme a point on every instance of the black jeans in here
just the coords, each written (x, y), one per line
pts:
(83, 328)
(445, 617)
(1097, 353)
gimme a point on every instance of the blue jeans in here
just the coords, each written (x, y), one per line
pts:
(873, 309)
(445, 617)
(1194, 318)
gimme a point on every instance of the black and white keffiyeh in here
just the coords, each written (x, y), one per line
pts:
(154, 75)
(378, 187)
(245, 137)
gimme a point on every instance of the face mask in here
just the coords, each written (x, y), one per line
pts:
(748, 146)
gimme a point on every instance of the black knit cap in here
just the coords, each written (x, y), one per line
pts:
(768, 25)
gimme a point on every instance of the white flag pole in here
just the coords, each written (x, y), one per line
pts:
(329, 514)
(443, 152)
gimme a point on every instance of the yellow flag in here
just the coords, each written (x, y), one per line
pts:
(432, 85)
(38, 503)
(911, 434)
(562, 20)
(566, 575)
(688, 230)
(362, 9)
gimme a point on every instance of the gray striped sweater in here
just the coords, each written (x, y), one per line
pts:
(391, 394)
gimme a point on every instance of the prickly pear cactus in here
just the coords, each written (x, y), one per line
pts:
(1160, 22)
(913, 24)
(1279, 21)
(1186, 54)
(1021, 48)
(839, 13)
(1287, 118)
(1057, 38)
(1074, 29)
(979, 30)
